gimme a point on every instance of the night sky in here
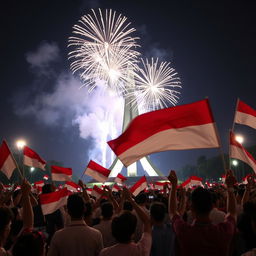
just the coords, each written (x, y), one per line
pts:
(212, 46)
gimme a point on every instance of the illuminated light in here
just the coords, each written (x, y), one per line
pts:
(235, 162)
(32, 169)
(20, 144)
(239, 139)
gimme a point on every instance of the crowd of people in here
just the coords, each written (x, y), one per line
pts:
(220, 220)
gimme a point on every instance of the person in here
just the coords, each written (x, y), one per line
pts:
(105, 224)
(216, 216)
(163, 237)
(202, 237)
(123, 228)
(77, 238)
(5, 227)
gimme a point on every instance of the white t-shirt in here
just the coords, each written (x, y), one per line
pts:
(142, 248)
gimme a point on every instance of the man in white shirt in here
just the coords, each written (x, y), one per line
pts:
(77, 238)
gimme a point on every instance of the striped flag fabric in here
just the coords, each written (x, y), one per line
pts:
(245, 115)
(61, 173)
(39, 185)
(139, 186)
(89, 191)
(196, 181)
(97, 171)
(189, 126)
(160, 185)
(237, 151)
(7, 161)
(120, 178)
(97, 192)
(116, 188)
(72, 186)
(51, 202)
(186, 184)
(31, 158)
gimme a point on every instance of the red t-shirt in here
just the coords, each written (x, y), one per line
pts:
(204, 239)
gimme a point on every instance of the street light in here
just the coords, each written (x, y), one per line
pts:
(239, 139)
(235, 162)
(32, 169)
(20, 144)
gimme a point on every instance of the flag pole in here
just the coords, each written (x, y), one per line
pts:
(233, 125)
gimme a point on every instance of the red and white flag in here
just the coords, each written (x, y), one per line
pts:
(139, 186)
(196, 181)
(120, 178)
(31, 158)
(186, 184)
(116, 188)
(72, 186)
(189, 126)
(39, 185)
(51, 202)
(7, 162)
(223, 178)
(160, 185)
(61, 173)
(245, 115)
(239, 152)
(89, 191)
(97, 192)
(97, 171)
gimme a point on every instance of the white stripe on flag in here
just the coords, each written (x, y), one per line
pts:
(96, 175)
(52, 207)
(8, 166)
(245, 119)
(60, 177)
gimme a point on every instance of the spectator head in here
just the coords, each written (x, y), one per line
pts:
(106, 210)
(157, 212)
(5, 223)
(123, 227)
(141, 198)
(47, 188)
(201, 201)
(127, 206)
(75, 206)
(29, 243)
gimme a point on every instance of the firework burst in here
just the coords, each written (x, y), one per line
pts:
(156, 84)
(104, 49)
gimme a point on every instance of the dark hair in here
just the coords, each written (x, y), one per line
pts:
(201, 200)
(127, 206)
(76, 207)
(141, 198)
(88, 209)
(157, 211)
(124, 226)
(5, 217)
(29, 243)
(47, 188)
(106, 210)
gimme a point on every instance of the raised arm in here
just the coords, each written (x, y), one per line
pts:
(28, 215)
(143, 215)
(173, 195)
(231, 200)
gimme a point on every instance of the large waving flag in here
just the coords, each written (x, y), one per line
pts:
(239, 152)
(245, 115)
(61, 173)
(189, 126)
(31, 158)
(7, 162)
(51, 202)
(97, 171)
(139, 186)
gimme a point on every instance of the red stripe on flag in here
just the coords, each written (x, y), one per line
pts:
(61, 170)
(96, 167)
(196, 178)
(4, 153)
(193, 114)
(244, 108)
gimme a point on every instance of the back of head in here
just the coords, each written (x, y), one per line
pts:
(76, 207)
(157, 211)
(47, 188)
(29, 244)
(201, 201)
(106, 210)
(123, 227)
(127, 206)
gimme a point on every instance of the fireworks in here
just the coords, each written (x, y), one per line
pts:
(104, 49)
(155, 85)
